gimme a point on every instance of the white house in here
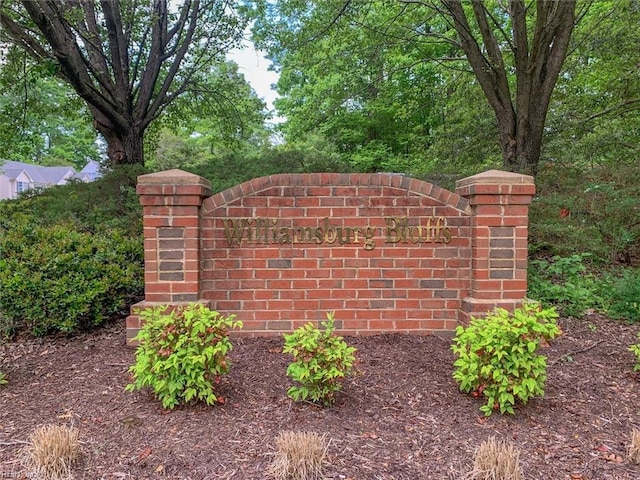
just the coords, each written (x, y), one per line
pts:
(17, 177)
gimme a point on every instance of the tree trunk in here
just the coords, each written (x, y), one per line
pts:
(124, 147)
(538, 53)
(521, 145)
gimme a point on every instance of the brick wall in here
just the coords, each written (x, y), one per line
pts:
(386, 252)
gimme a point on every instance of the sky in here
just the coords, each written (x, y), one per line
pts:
(255, 68)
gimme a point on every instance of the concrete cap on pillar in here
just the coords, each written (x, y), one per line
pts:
(173, 177)
(496, 177)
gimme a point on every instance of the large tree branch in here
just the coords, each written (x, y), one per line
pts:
(506, 38)
(491, 80)
(555, 27)
(517, 13)
(134, 85)
(118, 49)
(176, 31)
(87, 31)
(23, 38)
(62, 39)
(490, 43)
(622, 107)
(161, 98)
(154, 59)
(524, 71)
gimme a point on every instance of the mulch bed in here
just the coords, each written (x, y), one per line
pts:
(402, 418)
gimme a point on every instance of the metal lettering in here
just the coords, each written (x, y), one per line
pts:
(396, 230)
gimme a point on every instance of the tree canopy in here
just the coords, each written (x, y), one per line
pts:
(42, 120)
(513, 50)
(451, 86)
(127, 59)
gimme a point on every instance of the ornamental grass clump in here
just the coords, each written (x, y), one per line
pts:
(299, 456)
(321, 360)
(52, 451)
(498, 359)
(496, 460)
(182, 353)
(634, 447)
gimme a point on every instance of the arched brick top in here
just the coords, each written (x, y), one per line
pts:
(411, 185)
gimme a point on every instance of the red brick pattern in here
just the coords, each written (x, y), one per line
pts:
(386, 252)
(403, 283)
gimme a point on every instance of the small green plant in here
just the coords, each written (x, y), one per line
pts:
(320, 361)
(635, 349)
(497, 356)
(3, 379)
(565, 283)
(625, 297)
(182, 354)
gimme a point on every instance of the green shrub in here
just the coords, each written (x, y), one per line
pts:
(635, 349)
(182, 354)
(624, 299)
(56, 278)
(497, 356)
(320, 361)
(565, 283)
(3, 379)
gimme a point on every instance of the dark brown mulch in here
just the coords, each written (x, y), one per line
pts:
(403, 418)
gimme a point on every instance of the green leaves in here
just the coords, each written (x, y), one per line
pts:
(635, 349)
(624, 301)
(58, 279)
(321, 361)
(563, 281)
(361, 82)
(182, 353)
(497, 356)
(41, 119)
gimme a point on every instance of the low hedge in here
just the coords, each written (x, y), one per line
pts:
(58, 279)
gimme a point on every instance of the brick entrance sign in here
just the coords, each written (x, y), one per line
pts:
(386, 252)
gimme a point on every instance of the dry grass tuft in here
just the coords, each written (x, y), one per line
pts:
(496, 460)
(52, 452)
(634, 448)
(300, 456)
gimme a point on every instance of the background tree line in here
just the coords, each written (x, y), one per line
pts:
(420, 87)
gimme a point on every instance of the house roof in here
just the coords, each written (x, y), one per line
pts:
(91, 167)
(39, 173)
(13, 173)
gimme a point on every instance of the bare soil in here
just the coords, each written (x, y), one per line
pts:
(402, 418)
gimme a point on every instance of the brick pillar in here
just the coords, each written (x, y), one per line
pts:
(499, 228)
(171, 203)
